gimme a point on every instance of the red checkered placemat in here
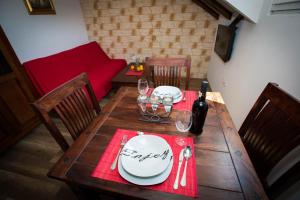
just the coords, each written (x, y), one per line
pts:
(190, 97)
(134, 73)
(103, 170)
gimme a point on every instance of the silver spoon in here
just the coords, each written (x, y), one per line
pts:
(187, 154)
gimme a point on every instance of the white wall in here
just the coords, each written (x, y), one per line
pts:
(268, 51)
(250, 9)
(34, 36)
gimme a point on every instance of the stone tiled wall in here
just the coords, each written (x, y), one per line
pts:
(173, 28)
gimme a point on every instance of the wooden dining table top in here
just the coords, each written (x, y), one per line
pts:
(224, 170)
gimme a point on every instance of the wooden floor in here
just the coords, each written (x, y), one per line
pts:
(24, 167)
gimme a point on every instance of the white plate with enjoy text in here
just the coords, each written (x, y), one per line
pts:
(146, 156)
(153, 180)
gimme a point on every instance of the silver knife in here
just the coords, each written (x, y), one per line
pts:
(175, 186)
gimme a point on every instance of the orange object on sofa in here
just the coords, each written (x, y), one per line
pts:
(49, 72)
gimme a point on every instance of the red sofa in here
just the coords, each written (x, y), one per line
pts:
(49, 72)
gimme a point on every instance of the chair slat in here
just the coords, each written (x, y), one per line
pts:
(63, 114)
(173, 75)
(87, 107)
(81, 108)
(179, 76)
(77, 115)
(84, 108)
(169, 76)
(70, 117)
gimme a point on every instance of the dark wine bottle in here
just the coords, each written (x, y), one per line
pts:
(199, 110)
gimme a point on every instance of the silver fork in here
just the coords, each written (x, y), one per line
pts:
(123, 142)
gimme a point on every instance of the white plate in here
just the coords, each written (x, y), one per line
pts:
(176, 100)
(146, 155)
(170, 90)
(145, 181)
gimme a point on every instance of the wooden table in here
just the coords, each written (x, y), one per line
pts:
(121, 79)
(224, 169)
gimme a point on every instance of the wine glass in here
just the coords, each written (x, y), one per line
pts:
(183, 124)
(143, 86)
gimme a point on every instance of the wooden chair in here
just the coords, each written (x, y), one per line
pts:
(168, 71)
(75, 104)
(270, 132)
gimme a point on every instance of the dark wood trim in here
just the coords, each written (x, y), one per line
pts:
(207, 8)
(16, 64)
(214, 8)
(219, 8)
(15, 94)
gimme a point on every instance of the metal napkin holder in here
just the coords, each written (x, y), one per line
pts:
(159, 116)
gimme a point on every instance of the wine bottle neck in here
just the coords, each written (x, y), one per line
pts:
(202, 96)
(203, 89)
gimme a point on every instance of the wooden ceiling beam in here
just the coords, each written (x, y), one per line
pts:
(218, 7)
(214, 8)
(207, 8)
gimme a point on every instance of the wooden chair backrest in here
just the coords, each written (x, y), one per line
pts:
(75, 104)
(270, 131)
(168, 71)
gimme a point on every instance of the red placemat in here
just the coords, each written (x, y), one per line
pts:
(190, 97)
(134, 73)
(103, 171)
(150, 91)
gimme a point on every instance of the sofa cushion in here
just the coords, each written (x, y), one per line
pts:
(49, 72)
(101, 76)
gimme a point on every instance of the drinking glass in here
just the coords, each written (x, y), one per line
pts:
(167, 101)
(183, 124)
(154, 100)
(143, 86)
